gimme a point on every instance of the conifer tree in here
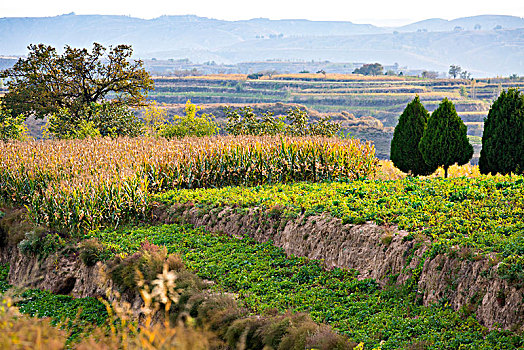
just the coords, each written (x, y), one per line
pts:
(503, 136)
(405, 154)
(445, 141)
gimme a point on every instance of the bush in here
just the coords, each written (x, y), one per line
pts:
(11, 128)
(14, 224)
(503, 136)
(154, 118)
(244, 121)
(40, 243)
(142, 267)
(190, 124)
(91, 251)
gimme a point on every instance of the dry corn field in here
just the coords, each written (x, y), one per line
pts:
(79, 185)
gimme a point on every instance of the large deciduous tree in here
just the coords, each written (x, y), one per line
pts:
(445, 141)
(405, 154)
(46, 82)
(503, 136)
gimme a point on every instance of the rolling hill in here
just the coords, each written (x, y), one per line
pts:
(434, 44)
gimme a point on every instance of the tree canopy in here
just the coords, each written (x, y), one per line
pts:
(405, 153)
(370, 69)
(46, 82)
(454, 70)
(445, 141)
(503, 136)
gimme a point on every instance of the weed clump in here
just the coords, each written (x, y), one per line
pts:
(143, 266)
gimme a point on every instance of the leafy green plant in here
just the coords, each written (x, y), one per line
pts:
(93, 120)
(4, 281)
(78, 315)
(481, 213)
(11, 127)
(41, 243)
(142, 267)
(244, 121)
(91, 251)
(265, 279)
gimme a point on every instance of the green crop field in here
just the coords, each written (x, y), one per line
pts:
(265, 278)
(484, 214)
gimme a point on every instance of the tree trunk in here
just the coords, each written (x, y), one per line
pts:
(446, 172)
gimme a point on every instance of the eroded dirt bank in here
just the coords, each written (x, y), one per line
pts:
(463, 281)
(466, 283)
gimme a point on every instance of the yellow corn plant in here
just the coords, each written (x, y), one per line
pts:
(78, 185)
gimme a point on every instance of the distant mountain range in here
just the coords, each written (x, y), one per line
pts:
(484, 45)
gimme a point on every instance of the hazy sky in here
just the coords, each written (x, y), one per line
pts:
(381, 12)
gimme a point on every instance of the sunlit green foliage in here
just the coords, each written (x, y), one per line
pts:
(482, 213)
(190, 125)
(11, 127)
(94, 120)
(244, 121)
(78, 315)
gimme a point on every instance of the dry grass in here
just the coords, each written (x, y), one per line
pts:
(387, 171)
(337, 76)
(215, 77)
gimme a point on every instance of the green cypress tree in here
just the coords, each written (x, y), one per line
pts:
(445, 140)
(503, 136)
(405, 154)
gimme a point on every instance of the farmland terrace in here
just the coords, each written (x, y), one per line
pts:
(347, 98)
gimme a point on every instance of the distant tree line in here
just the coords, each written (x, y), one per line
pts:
(243, 121)
(70, 90)
(456, 71)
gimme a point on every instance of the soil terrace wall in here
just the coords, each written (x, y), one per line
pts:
(377, 252)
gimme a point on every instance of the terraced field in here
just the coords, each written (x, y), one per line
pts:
(382, 98)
